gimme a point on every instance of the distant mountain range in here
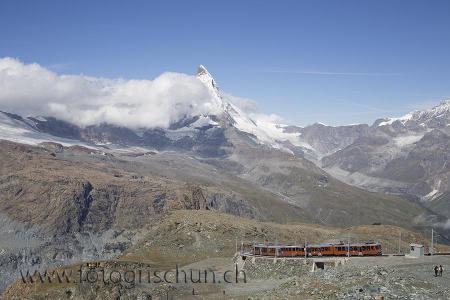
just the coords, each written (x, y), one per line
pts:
(407, 155)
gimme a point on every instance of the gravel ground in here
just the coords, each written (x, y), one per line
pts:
(356, 278)
(367, 278)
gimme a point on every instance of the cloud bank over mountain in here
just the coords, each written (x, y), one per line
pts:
(30, 89)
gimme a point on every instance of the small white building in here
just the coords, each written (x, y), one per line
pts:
(416, 250)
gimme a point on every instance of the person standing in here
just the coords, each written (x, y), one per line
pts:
(441, 269)
(436, 270)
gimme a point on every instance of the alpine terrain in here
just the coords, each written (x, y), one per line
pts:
(71, 193)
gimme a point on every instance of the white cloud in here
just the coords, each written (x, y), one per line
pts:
(32, 90)
(245, 104)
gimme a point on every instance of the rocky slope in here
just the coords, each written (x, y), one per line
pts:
(78, 203)
(207, 240)
(66, 204)
(407, 155)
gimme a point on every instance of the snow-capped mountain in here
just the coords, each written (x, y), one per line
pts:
(407, 155)
(435, 117)
(261, 130)
(206, 134)
(391, 155)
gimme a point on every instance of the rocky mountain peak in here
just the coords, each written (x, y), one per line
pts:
(437, 116)
(442, 107)
(202, 70)
(206, 77)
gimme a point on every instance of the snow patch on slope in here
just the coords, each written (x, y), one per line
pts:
(21, 132)
(403, 119)
(402, 141)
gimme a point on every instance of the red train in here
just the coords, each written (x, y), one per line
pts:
(340, 249)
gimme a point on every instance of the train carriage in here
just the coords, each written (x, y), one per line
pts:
(331, 249)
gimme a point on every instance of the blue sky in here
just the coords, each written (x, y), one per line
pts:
(336, 62)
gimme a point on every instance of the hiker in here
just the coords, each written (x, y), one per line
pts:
(436, 270)
(440, 270)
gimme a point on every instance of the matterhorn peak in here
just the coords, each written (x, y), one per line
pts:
(206, 77)
(202, 70)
